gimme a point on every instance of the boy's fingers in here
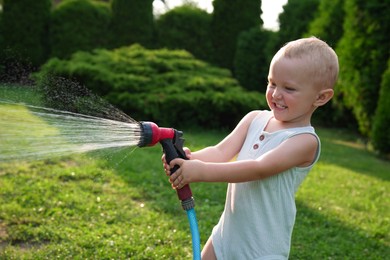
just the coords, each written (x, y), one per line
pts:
(177, 161)
(166, 169)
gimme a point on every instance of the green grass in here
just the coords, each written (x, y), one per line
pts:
(118, 204)
(343, 206)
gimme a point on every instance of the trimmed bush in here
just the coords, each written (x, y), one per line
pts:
(186, 27)
(78, 25)
(167, 87)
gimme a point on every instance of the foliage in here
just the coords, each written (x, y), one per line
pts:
(381, 122)
(168, 87)
(24, 29)
(295, 19)
(326, 24)
(363, 54)
(132, 22)
(251, 62)
(186, 27)
(230, 18)
(1, 33)
(2, 64)
(78, 25)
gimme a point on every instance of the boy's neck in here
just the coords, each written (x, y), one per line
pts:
(276, 125)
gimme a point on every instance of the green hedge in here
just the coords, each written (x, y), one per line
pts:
(78, 25)
(167, 87)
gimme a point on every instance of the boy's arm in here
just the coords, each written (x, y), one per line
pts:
(230, 146)
(298, 151)
(225, 150)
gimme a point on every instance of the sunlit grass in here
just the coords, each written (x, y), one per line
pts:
(16, 123)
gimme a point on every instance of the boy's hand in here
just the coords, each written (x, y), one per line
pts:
(167, 168)
(188, 171)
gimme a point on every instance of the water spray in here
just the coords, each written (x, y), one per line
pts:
(34, 132)
(172, 142)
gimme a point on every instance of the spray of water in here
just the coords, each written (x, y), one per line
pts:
(33, 132)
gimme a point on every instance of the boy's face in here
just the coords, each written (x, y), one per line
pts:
(290, 91)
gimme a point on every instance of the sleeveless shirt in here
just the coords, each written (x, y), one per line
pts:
(259, 216)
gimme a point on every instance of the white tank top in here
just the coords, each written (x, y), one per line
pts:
(259, 216)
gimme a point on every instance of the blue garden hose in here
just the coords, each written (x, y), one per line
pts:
(194, 234)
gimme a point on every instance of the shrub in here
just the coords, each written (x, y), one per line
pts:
(78, 25)
(186, 27)
(168, 87)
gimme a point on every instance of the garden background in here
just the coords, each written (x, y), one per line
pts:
(200, 72)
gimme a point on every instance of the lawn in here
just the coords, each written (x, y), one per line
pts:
(118, 204)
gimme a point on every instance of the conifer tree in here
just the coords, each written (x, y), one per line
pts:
(230, 18)
(381, 125)
(295, 19)
(132, 22)
(24, 29)
(327, 24)
(363, 54)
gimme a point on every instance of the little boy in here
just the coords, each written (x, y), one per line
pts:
(275, 150)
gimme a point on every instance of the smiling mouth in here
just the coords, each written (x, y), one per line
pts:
(280, 106)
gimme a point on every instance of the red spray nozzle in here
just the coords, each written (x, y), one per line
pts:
(172, 143)
(152, 134)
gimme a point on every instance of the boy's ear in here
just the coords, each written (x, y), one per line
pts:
(323, 97)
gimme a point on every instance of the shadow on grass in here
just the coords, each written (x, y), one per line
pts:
(317, 236)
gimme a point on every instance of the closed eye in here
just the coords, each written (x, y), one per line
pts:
(271, 84)
(290, 89)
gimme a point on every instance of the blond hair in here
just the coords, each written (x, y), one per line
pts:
(323, 65)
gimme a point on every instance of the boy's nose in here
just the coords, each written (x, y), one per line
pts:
(276, 94)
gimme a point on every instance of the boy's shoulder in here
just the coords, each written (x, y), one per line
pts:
(259, 113)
